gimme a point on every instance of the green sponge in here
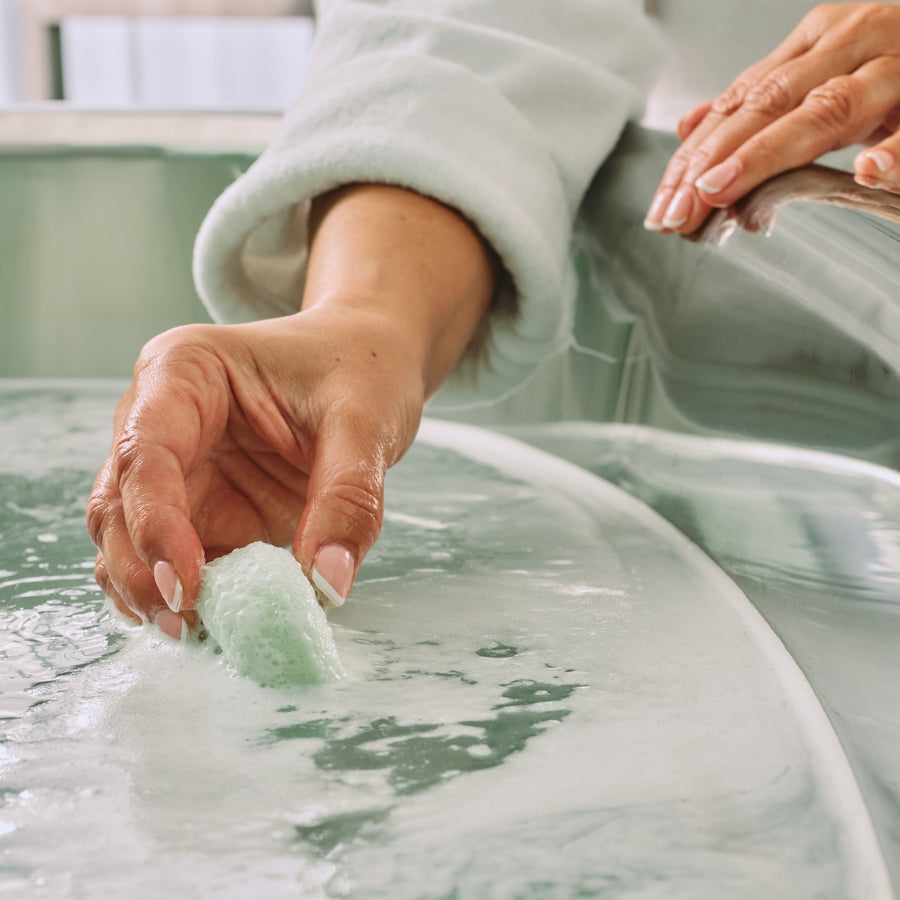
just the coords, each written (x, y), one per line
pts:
(258, 606)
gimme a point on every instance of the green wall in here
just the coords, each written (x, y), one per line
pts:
(95, 254)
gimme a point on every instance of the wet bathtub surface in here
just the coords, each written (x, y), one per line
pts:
(551, 693)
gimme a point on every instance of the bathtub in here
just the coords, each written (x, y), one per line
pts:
(627, 634)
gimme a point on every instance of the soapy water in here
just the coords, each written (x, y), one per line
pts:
(813, 539)
(549, 693)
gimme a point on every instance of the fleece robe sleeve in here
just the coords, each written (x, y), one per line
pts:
(502, 109)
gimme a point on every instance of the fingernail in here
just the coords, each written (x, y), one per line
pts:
(653, 222)
(883, 160)
(719, 177)
(333, 573)
(169, 585)
(171, 624)
(679, 210)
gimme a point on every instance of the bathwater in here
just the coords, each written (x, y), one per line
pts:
(550, 693)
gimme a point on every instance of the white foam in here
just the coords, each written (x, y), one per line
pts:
(258, 606)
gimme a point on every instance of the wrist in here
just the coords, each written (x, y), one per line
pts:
(409, 262)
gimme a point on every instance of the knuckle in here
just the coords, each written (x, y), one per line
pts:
(868, 18)
(126, 465)
(677, 165)
(819, 17)
(133, 584)
(101, 575)
(118, 592)
(173, 341)
(181, 365)
(730, 100)
(96, 513)
(833, 105)
(125, 457)
(100, 506)
(772, 97)
(826, 17)
(701, 159)
(141, 530)
(136, 578)
(766, 153)
(183, 355)
(155, 350)
(361, 508)
(843, 23)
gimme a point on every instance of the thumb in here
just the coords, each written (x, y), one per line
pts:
(343, 514)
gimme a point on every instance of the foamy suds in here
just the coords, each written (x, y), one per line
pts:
(261, 611)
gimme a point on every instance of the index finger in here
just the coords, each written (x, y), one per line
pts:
(706, 118)
(773, 96)
(156, 512)
(163, 429)
(676, 204)
(842, 111)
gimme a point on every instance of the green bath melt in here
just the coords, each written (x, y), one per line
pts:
(261, 610)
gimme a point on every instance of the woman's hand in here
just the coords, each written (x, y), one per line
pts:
(282, 430)
(834, 82)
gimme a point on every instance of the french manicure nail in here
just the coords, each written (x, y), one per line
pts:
(866, 180)
(171, 624)
(680, 209)
(332, 574)
(719, 177)
(169, 585)
(653, 222)
(883, 160)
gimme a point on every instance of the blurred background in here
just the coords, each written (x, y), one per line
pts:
(120, 123)
(154, 54)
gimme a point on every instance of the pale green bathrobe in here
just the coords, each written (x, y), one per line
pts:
(502, 109)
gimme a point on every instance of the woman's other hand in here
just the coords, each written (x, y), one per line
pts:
(835, 81)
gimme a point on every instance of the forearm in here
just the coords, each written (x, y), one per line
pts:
(410, 262)
(457, 101)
